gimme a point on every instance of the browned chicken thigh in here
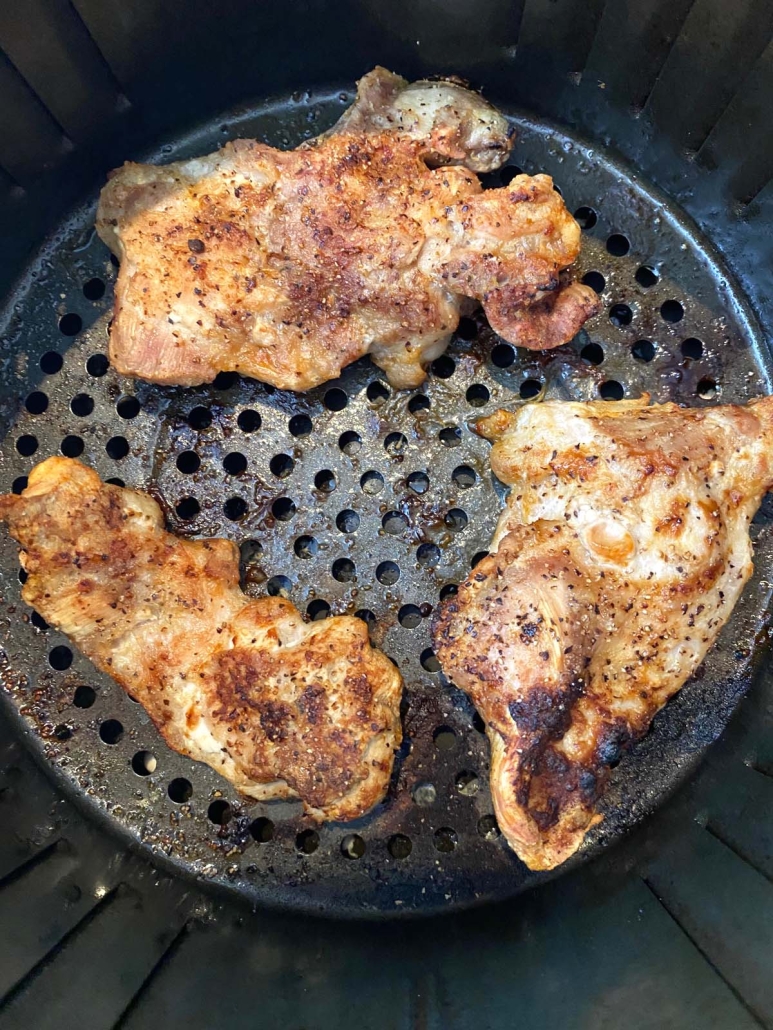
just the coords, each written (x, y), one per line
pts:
(288, 265)
(455, 125)
(622, 549)
(280, 707)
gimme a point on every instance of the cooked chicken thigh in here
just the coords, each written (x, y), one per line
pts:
(622, 549)
(280, 707)
(288, 266)
(456, 125)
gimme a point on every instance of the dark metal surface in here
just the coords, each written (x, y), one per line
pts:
(410, 489)
(672, 927)
(651, 933)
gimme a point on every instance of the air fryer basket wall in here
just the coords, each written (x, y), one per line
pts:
(670, 928)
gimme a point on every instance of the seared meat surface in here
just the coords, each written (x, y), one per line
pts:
(280, 707)
(288, 266)
(622, 549)
(455, 125)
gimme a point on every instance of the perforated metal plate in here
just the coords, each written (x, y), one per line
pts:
(357, 499)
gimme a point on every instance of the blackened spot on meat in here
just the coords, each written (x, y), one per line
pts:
(546, 713)
(546, 816)
(555, 763)
(523, 783)
(312, 703)
(589, 786)
(274, 719)
(612, 740)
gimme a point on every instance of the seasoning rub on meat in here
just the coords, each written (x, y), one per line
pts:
(619, 556)
(287, 266)
(280, 707)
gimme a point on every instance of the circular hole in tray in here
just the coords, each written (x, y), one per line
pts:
(144, 763)
(111, 731)
(399, 846)
(180, 790)
(307, 842)
(51, 363)
(262, 830)
(347, 521)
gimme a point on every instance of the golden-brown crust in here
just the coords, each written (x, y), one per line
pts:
(287, 266)
(548, 321)
(280, 707)
(621, 552)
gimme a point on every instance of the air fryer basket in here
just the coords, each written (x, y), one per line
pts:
(651, 118)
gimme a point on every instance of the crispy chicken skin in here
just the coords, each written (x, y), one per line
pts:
(619, 556)
(286, 266)
(280, 707)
